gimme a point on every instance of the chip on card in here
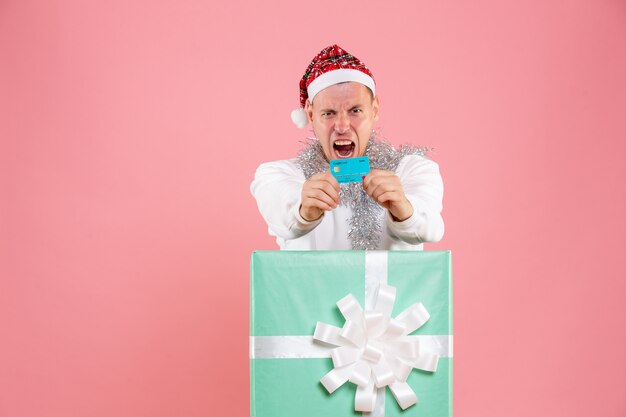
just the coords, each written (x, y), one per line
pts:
(350, 169)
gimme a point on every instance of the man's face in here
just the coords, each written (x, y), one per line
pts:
(343, 117)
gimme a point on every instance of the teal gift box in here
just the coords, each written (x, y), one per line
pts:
(291, 291)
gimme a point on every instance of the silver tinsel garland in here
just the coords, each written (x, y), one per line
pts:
(367, 215)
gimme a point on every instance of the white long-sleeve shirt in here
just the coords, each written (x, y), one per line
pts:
(277, 187)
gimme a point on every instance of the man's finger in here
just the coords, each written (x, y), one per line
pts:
(382, 189)
(318, 204)
(316, 194)
(326, 177)
(377, 175)
(388, 196)
(385, 182)
(326, 188)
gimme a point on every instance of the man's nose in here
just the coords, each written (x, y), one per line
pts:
(342, 123)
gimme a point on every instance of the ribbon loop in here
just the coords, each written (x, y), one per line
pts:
(353, 333)
(375, 323)
(403, 394)
(327, 333)
(383, 373)
(395, 329)
(407, 347)
(365, 398)
(372, 353)
(350, 308)
(361, 374)
(413, 317)
(344, 355)
(400, 368)
(385, 299)
(336, 378)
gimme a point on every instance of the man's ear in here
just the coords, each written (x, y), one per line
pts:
(375, 105)
(308, 108)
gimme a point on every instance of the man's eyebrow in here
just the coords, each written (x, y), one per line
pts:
(327, 110)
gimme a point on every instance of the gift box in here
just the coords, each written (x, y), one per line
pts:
(305, 305)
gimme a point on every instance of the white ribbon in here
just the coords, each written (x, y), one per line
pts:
(374, 350)
(304, 347)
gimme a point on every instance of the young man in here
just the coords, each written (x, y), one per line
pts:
(396, 206)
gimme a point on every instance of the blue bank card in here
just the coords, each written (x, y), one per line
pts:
(350, 169)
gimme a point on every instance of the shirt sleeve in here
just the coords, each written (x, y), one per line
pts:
(277, 188)
(423, 188)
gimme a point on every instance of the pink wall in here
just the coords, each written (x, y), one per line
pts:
(126, 223)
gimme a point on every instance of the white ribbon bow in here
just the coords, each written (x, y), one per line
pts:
(374, 349)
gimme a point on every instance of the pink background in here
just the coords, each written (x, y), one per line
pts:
(130, 131)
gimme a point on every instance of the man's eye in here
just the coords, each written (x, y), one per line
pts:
(357, 110)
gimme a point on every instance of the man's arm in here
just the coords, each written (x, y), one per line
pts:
(290, 205)
(412, 197)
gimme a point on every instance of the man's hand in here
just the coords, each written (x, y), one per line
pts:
(319, 194)
(386, 189)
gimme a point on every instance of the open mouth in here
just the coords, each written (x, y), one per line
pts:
(344, 148)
